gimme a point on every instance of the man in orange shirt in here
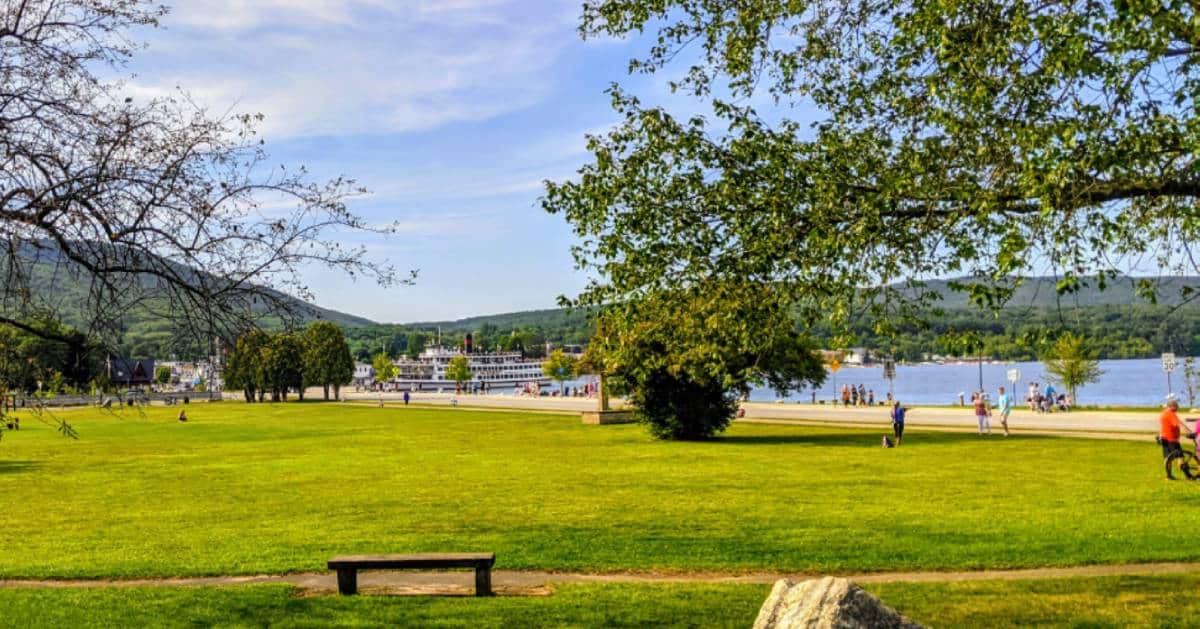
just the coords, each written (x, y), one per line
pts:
(1169, 428)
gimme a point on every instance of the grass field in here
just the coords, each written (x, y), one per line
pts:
(1091, 602)
(246, 489)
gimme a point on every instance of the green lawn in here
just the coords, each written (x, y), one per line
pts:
(265, 489)
(1090, 602)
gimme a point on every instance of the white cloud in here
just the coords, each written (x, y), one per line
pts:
(360, 66)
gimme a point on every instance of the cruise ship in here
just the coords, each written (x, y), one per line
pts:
(499, 370)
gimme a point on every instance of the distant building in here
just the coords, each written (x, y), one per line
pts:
(129, 372)
(364, 374)
(187, 374)
(856, 356)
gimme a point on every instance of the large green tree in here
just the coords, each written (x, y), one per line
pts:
(856, 147)
(459, 370)
(683, 358)
(385, 368)
(327, 359)
(1071, 363)
(560, 367)
(283, 366)
(244, 368)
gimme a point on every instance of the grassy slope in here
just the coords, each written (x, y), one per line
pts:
(253, 489)
(1087, 602)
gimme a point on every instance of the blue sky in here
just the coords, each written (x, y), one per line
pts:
(451, 111)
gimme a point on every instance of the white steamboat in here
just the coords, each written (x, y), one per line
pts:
(497, 370)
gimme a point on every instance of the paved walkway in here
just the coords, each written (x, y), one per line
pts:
(540, 582)
(1079, 423)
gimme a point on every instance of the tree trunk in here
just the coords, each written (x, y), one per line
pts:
(337, 392)
(326, 385)
(603, 394)
(300, 392)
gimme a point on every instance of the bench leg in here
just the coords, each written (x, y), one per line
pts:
(483, 581)
(347, 581)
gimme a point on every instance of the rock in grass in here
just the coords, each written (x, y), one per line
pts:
(828, 602)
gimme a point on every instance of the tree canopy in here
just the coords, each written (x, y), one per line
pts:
(1072, 363)
(245, 368)
(385, 368)
(154, 204)
(560, 366)
(327, 360)
(855, 148)
(458, 370)
(683, 358)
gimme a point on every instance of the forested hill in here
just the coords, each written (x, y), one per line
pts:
(146, 336)
(1037, 292)
(1040, 292)
(1119, 323)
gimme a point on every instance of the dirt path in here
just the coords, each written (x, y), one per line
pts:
(541, 583)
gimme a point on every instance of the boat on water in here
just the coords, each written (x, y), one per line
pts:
(496, 370)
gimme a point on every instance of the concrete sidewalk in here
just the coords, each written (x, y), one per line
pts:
(1145, 423)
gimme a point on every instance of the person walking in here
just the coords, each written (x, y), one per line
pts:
(862, 395)
(845, 395)
(853, 396)
(1005, 402)
(898, 414)
(406, 398)
(981, 413)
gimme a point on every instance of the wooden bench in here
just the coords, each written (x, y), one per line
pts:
(347, 567)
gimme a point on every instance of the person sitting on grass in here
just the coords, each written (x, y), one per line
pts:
(1169, 429)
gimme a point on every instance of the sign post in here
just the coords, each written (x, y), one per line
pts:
(834, 364)
(1168, 365)
(889, 372)
(1014, 376)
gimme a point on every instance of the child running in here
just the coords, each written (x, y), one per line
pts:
(1005, 402)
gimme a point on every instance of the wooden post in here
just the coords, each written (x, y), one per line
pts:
(483, 580)
(347, 581)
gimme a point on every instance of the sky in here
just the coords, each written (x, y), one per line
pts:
(452, 112)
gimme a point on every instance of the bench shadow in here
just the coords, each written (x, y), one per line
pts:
(17, 467)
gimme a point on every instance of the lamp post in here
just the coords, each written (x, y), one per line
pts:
(889, 372)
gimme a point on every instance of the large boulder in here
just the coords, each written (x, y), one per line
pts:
(827, 603)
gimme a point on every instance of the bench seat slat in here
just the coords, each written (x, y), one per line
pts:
(415, 561)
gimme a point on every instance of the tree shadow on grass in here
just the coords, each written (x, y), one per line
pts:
(17, 467)
(914, 438)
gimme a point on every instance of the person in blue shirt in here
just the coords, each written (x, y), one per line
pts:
(1005, 403)
(898, 413)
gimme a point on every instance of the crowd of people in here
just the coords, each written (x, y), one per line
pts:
(1048, 400)
(858, 396)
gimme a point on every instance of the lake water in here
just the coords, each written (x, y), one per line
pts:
(1123, 383)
